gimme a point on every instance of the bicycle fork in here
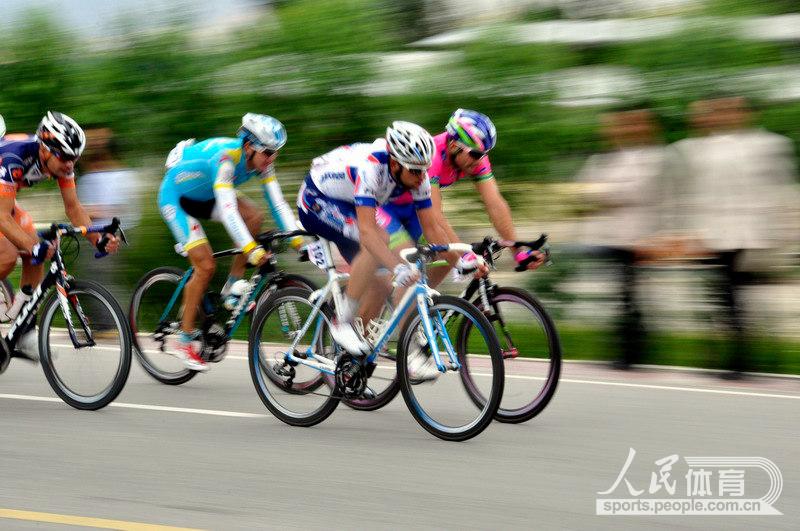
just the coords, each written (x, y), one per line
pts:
(65, 302)
(423, 304)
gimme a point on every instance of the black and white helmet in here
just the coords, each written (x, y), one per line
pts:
(410, 145)
(61, 134)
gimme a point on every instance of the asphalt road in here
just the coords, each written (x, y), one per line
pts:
(208, 455)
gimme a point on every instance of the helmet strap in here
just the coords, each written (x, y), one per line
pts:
(395, 178)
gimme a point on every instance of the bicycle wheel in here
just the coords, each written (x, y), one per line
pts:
(149, 300)
(531, 352)
(87, 377)
(441, 405)
(294, 394)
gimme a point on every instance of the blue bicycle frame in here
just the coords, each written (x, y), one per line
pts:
(421, 294)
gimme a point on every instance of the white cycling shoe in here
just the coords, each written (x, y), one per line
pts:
(28, 346)
(346, 335)
(421, 365)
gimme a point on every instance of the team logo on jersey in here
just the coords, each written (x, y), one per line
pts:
(16, 172)
(187, 176)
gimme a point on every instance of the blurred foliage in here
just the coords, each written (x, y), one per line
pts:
(752, 8)
(309, 63)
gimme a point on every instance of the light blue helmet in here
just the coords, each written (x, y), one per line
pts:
(262, 131)
(473, 129)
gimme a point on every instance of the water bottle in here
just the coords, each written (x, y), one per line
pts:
(237, 290)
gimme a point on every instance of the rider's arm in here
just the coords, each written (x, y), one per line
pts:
(436, 199)
(372, 239)
(73, 208)
(10, 228)
(498, 209)
(225, 195)
(278, 207)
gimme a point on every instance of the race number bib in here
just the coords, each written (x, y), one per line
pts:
(317, 255)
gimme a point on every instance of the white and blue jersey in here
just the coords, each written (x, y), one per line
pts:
(200, 183)
(343, 179)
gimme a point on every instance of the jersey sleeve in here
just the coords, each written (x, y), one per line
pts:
(422, 195)
(366, 186)
(483, 171)
(278, 207)
(225, 195)
(11, 168)
(435, 171)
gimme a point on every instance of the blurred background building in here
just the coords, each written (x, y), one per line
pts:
(337, 71)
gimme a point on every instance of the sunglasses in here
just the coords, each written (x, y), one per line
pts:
(64, 157)
(267, 152)
(475, 154)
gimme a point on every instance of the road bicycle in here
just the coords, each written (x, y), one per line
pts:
(527, 334)
(84, 340)
(291, 352)
(152, 322)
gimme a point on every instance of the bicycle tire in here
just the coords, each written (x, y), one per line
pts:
(116, 385)
(547, 391)
(168, 274)
(489, 408)
(257, 367)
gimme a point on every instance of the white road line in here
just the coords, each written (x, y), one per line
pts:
(148, 407)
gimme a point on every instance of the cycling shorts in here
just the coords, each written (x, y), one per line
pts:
(332, 219)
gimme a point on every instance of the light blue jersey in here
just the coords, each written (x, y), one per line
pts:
(200, 182)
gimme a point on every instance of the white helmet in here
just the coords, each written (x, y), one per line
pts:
(411, 145)
(262, 131)
(2, 126)
(61, 134)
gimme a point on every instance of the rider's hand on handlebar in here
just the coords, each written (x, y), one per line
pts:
(521, 256)
(111, 243)
(470, 263)
(405, 275)
(258, 256)
(42, 251)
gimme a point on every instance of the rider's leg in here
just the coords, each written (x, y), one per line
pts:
(202, 260)
(253, 218)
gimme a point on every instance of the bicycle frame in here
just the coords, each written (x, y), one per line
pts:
(56, 276)
(421, 294)
(260, 277)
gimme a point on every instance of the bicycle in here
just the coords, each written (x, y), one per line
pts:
(152, 322)
(513, 312)
(287, 364)
(101, 340)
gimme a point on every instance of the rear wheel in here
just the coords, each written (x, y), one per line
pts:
(151, 328)
(293, 392)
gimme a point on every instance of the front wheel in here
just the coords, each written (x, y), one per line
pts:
(86, 376)
(438, 400)
(531, 352)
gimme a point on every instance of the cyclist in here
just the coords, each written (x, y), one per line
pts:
(24, 161)
(200, 183)
(461, 151)
(338, 201)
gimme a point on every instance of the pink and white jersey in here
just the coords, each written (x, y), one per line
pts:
(359, 174)
(443, 174)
